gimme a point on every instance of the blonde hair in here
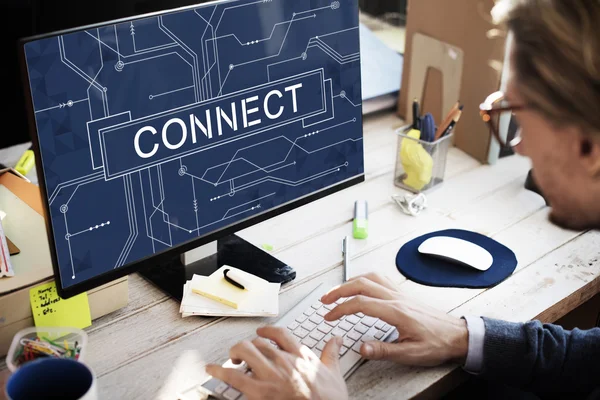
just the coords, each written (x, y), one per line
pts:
(556, 57)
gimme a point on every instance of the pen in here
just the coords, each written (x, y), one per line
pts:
(234, 281)
(415, 114)
(345, 253)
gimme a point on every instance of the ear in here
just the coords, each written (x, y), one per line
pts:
(589, 153)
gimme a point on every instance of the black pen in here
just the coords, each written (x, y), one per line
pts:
(235, 282)
(416, 114)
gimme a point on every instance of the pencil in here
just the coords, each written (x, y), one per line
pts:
(452, 124)
(446, 122)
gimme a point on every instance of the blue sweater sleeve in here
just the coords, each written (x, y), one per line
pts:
(542, 358)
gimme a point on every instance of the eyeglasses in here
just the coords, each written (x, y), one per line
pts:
(492, 110)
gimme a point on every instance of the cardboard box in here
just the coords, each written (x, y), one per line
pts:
(464, 24)
(25, 225)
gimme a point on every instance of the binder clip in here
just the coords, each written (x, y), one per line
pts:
(411, 204)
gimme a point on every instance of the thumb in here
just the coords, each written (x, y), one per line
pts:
(376, 350)
(331, 353)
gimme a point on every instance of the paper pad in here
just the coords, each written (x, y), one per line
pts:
(261, 300)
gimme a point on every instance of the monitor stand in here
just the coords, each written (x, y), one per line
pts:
(230, 250)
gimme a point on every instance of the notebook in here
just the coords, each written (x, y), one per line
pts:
(214, 296)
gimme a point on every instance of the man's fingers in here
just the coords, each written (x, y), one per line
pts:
(360, 286)
(233, 377)
(282, 337)
(260, 365)
(377, 308)
(278, 357)
(377, 278)
(398, 352)
(330, 356)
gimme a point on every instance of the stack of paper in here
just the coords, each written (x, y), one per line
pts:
(260, 298)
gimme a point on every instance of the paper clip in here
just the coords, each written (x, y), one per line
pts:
(411, 204)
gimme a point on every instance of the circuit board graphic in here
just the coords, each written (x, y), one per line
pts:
(159, 130)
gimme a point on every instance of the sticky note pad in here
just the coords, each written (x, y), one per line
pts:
(49, 309)
(220, 290)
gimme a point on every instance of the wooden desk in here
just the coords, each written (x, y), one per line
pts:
(147, 350)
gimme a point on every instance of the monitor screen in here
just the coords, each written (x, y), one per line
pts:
(157, 133)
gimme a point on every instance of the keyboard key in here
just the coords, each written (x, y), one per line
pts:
(338, 332)
(360, 315)
(321, 345)
(353, 319)
(329, 306)
(348, 342)
(309, 326)
(343, 350)
(368, 321)
(379, 324)
(354, 335)
(341, 300)
(386, 327)
(323, 327)
(317, 335)
(322, 311)
(301, 318)
(293, 326)
(367, 338)
(316, 319)
(231, 394)
(357, 346)
(317, 305)
(333, 323)
(317, 352)
(349, 360)
(301, 332)
(309, 342)
(370, 335)
(360, 328)
(221, 387)
(379, 335)
(327, 337)
(309, 312)
(345, 326)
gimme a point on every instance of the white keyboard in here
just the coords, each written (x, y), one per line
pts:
(305, 321)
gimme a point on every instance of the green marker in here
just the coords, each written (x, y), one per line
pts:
(361, 222)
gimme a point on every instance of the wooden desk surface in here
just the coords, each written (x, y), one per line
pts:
(147, 350)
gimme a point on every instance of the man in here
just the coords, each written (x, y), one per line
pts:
(554, 93)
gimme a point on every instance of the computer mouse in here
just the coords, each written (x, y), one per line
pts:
(459, 251)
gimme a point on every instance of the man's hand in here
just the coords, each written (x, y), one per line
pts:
(291, 371)
(427, 337)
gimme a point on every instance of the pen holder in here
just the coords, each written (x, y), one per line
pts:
(420, 165)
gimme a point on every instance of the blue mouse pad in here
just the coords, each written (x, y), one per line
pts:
(431, 271)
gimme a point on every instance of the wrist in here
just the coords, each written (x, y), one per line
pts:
(459, 342)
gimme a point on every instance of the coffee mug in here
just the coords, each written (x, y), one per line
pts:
(52, 378)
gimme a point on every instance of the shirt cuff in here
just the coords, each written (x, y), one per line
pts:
(476, 329)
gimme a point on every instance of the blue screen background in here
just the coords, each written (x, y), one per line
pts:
(87, 82)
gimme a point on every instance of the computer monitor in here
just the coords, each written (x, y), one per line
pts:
(160, 133)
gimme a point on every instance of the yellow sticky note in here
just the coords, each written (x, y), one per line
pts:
(49, 309)
(218, 289)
